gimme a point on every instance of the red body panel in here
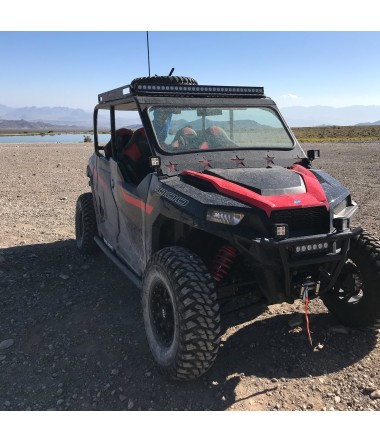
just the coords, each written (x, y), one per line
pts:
(314, 195)
(136, 202)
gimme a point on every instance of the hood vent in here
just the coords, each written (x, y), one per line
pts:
(198, 183)
(264, 181)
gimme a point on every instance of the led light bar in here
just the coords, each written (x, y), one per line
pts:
(312, 248)
(191, 90)
(198, 89)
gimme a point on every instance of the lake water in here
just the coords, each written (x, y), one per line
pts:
(54, 138)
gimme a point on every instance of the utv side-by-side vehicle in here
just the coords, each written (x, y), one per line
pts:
(212, 200)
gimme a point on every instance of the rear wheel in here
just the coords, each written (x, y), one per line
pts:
(355, 299)
(181, 313)
(85, 224)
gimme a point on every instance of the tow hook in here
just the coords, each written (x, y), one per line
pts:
(306, 286)
(309, 285)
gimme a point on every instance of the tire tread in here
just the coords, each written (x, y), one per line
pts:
(85, 206)
(364, 250)
(199, 336)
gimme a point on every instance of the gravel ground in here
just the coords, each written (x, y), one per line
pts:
(71, 332)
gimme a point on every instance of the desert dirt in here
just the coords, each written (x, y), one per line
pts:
(71, 331)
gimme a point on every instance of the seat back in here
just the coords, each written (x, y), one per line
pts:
(217, 137)
(185, 137)
(123, 136)
(135, 156)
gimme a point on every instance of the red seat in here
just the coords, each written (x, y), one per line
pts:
(135, 156)
(185, 137)
(217, 137)
(123, 135)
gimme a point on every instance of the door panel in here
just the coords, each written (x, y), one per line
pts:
(109, 223)
(130, 200)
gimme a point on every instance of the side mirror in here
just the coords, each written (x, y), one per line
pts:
(312, 154)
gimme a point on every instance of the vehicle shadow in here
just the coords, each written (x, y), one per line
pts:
(271, 349)
(79, 341)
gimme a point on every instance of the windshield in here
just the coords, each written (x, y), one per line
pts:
(196, 128)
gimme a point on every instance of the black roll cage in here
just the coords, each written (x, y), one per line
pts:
(141, 102)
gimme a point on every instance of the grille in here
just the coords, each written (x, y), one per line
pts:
(303, 220)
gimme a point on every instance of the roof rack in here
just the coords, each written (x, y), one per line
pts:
(114, 94)
(182, 90)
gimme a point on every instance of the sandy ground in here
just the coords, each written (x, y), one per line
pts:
(72, 327)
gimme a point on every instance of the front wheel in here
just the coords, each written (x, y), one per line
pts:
(355, 298)
(181, 313)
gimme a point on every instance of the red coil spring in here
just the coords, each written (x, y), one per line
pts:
(222, 262)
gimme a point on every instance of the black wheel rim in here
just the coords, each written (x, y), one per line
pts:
(162, 314)
(349, 285)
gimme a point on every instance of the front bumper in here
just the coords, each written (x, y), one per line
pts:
(280, 270)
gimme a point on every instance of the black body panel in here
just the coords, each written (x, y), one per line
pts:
(264, 181)
(334, 190)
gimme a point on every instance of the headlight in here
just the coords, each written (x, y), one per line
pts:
(341, 207)
(343, 214)
(224, 217)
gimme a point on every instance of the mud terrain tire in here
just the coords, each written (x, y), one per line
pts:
(181, 313)
(85, 224)
(163, 80)
(355, 299)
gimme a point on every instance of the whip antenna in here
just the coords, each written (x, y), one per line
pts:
(147, 46)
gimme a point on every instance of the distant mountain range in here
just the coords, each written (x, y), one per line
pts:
(49, 118)
(369, 124)
(303, 116)
(51, 115)
(197, 124)
(24, 125)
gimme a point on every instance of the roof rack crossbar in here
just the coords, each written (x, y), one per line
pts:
(113, 94)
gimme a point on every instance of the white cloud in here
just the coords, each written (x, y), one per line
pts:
(288, 99)
(289, 96)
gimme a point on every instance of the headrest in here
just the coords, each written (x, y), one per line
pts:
(217, 130)
(217, 137)
(182, 136)
(187, 131)
(124, 131)
(123, 135)
(140, 132)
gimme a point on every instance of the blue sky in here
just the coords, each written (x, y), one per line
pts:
(338, 68)
(303, 54)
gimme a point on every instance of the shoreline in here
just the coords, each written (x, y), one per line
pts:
(301, 142)
(28, 134)
(317, 134)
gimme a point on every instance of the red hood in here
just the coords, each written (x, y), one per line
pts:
(314, 195)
